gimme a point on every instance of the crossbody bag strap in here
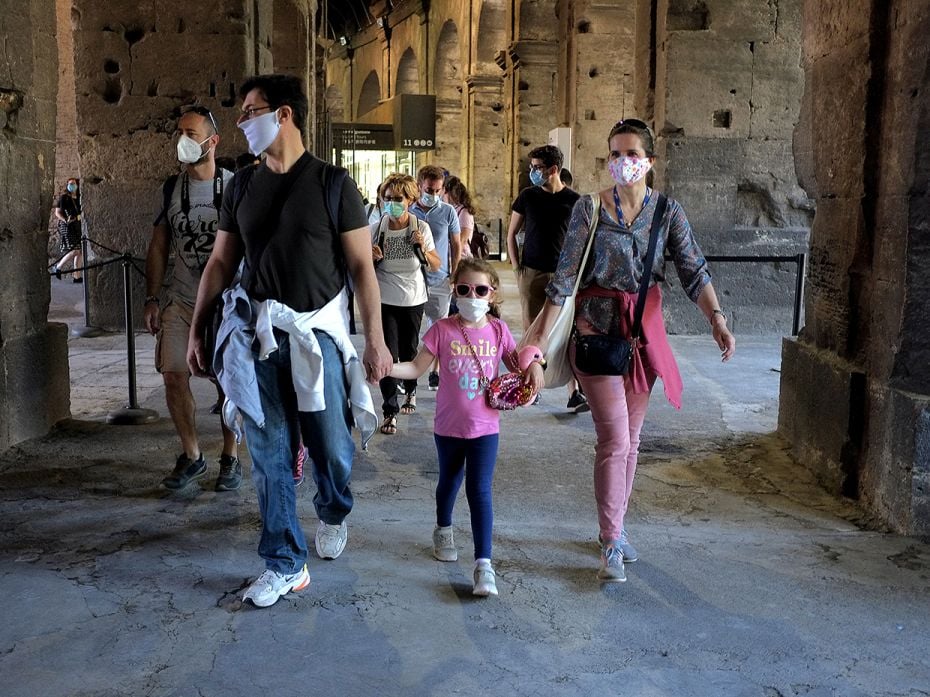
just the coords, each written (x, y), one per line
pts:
(595, 213)
(647, 265)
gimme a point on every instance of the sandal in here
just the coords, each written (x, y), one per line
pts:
(410, 404)
(389, 426)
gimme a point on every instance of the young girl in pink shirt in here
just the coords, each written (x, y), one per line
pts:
(470, 347)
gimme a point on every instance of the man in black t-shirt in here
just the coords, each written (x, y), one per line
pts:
(542, 211)
(297, 257)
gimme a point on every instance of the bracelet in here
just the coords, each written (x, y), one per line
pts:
(718, 311)
(151, 299)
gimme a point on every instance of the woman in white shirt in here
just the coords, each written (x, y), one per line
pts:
(402, 250)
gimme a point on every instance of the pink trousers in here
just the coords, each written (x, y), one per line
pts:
(618, 419)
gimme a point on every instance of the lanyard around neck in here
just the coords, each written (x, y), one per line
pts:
(620, 210)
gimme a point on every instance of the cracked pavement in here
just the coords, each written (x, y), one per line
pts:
(751, 581)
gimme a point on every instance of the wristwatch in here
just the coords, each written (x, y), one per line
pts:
(151, 299)
(718, 311)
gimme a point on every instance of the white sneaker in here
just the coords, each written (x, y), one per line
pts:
(444, 544)
(485, 581)
(267, 588)
(331, 539)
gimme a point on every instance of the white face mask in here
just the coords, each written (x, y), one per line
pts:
(189, 150)
(472, 309)
(626, 171)
(260, 131)
(429, 200)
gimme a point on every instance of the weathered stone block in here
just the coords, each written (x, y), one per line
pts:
(834, 26)
(816, 409)
(742, 21)
(838, 227)
(776, 72)
(35, 388)
(707, 77)
(839, 84)
(895, 471)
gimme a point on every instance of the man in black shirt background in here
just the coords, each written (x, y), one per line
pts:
(542, 211)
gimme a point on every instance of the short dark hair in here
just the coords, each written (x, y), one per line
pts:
(280, 90)
(430, 172)
(636, 127)
(566, 176)
(550, 155)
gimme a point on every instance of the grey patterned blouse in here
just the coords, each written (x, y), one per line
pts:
(617, 258)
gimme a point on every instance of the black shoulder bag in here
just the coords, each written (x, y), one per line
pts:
(600, 354)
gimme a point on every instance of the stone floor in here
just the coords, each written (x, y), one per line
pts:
(751, 581)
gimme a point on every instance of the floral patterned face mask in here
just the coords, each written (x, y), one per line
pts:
(626, 171)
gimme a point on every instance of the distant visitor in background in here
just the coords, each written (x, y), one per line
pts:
(458, 197)
(566, 176)
(403, 252)
(68, 213)
(543, 211)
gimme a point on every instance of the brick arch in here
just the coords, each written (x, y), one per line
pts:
(447, 77)
(370, 94)
(492, 35)
(408, 74)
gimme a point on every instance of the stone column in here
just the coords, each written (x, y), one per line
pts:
(728, 89)
(486, 175)
(133, 69)
(448, 151)
(34, 391)
(533, 70)
(855, 387)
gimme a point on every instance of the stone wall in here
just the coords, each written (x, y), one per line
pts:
(856, 384)
(728, 88)
(33, 354)
(134, 68)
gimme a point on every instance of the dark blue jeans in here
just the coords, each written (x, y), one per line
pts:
(472, 459)
(328, 437)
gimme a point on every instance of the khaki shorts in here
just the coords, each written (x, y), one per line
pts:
(171, 340)
(532, 285)
(438, 298)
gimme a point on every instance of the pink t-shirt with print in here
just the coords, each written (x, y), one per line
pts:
(461, 408)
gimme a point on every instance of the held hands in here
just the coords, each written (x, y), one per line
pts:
(724, 338)
(377, 361)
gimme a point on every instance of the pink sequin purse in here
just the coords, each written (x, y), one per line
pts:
(507, 391)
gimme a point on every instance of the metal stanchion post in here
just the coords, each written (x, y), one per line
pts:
(132, 414)
(87, 331)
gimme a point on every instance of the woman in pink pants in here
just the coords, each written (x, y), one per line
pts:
(605, 305)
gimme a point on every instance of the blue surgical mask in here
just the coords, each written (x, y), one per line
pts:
(72, 188)
(536, 177)
(429, 200)
(394, 209)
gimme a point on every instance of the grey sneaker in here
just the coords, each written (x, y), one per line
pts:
(267, 588)
(331, 539)
(611, 564)
(185, 471)
(485, 581)
(444, 544)
(230, 477)
(629, 551)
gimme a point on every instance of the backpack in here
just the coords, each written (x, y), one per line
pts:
(479, 243)
(417, 249)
